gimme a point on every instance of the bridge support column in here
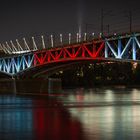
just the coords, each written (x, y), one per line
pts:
(7, 86)
(106, 51)
(119, 48)
(31, 86)
(38, 86)
(14, 85)
(134, 49)
(54, 86)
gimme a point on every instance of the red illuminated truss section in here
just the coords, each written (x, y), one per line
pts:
(75, 52)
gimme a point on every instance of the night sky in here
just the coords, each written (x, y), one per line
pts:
(26, 18)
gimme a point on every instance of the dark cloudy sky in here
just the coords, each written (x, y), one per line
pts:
(24, 18)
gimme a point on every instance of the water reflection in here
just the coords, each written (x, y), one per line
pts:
(78, 115)
(119, 120)
(55, 123)
(37, 119)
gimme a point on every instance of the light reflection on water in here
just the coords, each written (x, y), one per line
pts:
(77, 115)
(118, 120)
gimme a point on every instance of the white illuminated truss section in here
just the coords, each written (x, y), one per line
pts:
(23, 46)
(20, 52)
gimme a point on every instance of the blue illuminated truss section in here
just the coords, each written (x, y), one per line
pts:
(16, 64)
(124, 47)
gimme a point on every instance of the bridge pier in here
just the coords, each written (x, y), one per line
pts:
(30, 86)
(7, 86)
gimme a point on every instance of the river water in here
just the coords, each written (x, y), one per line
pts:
(79, 114)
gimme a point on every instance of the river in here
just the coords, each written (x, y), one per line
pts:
(75, 114)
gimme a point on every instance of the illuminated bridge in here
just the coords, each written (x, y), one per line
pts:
(23, 57)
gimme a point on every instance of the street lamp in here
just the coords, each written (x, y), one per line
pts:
(103, 14)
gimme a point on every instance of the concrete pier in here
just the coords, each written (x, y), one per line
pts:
(30, 86)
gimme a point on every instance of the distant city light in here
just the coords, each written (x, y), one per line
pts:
(61, 72)
(134, 65)
(93, 34)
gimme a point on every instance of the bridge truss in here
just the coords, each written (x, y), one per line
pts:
(125, 47)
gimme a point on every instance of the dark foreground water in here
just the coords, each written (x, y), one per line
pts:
(75, 115)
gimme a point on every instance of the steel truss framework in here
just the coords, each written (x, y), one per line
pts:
(120, 48)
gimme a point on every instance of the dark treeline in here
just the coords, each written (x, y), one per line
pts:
(100, 74)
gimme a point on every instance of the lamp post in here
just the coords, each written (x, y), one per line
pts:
(130, 21)
(129, 17)
(103, 15)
